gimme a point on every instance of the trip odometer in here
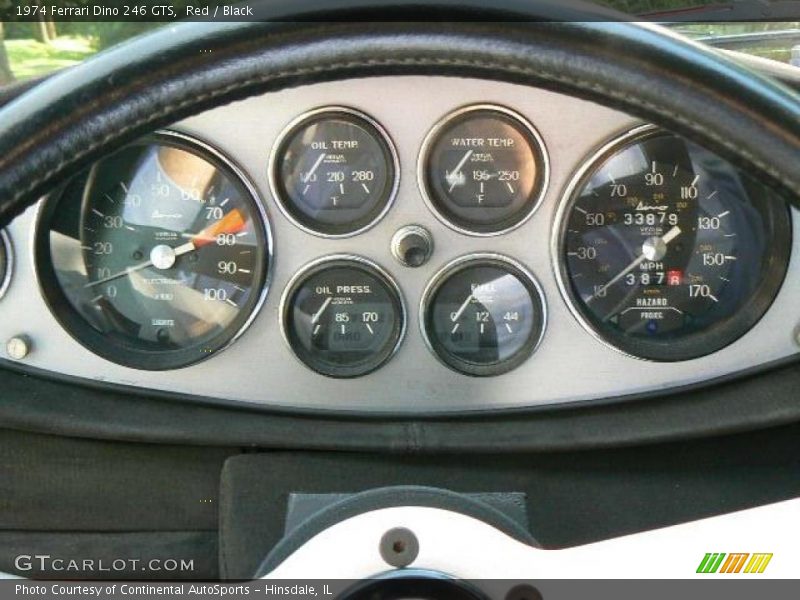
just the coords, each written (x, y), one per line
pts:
(157, 256)
(667, 251)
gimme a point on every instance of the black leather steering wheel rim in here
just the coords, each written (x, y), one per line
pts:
(65, 123)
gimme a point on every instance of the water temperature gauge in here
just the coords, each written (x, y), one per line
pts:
(483, 315)
(334, 172)
(343, 316)
(483, 169)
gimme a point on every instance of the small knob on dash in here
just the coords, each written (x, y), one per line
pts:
(412, 246)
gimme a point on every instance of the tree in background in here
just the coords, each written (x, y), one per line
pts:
(43, 31)
(6, 76)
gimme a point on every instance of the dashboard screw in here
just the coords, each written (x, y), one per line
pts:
(18, 347)
(399, 547)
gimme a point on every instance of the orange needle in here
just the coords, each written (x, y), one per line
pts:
(233, 222)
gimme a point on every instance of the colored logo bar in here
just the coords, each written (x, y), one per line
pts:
(736, 562)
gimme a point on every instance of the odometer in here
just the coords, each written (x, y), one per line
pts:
(157, 256)
(667, 251)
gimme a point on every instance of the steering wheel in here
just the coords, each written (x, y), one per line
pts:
(82, 114)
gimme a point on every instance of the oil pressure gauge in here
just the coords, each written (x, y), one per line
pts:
(483, 315)
(483, 170)
(334, 172)
(343, 316)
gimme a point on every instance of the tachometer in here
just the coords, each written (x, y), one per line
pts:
(157, 256)
(667, 251)
(6, 260)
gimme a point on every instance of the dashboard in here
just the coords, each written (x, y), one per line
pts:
(343, 246)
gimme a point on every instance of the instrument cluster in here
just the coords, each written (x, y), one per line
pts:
(159, 256)
(325, 247)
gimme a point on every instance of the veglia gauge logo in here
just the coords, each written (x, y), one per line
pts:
(740, 562)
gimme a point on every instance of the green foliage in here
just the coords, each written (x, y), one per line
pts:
(30, 58)
(78, 39)
(110, 34)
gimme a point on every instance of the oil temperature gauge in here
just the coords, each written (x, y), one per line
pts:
(483, 315)
(334, 172)
(343, 316)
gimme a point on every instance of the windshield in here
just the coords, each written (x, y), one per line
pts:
(36, 47)
(769, 40)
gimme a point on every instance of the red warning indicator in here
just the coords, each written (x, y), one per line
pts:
(674, 277)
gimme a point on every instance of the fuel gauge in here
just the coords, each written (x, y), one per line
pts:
(343, 316)
(483, 315)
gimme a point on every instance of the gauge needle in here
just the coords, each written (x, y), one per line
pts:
(127, 271)
(453, 176)
(321, 310)
(645, 255)
(233, 222)
(163, 256)
(461, 310)
(314, 167)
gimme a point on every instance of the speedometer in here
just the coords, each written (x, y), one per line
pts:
(667, 251)
(157, 256)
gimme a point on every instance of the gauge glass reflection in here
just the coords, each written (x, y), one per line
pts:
(160, 252)
(5, 262)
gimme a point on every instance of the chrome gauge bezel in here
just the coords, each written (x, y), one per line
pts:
(478, 259)
(5, 240)
(273, 169)
(136, 358)
(432, 137)
(320, 264)
(733, 328)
